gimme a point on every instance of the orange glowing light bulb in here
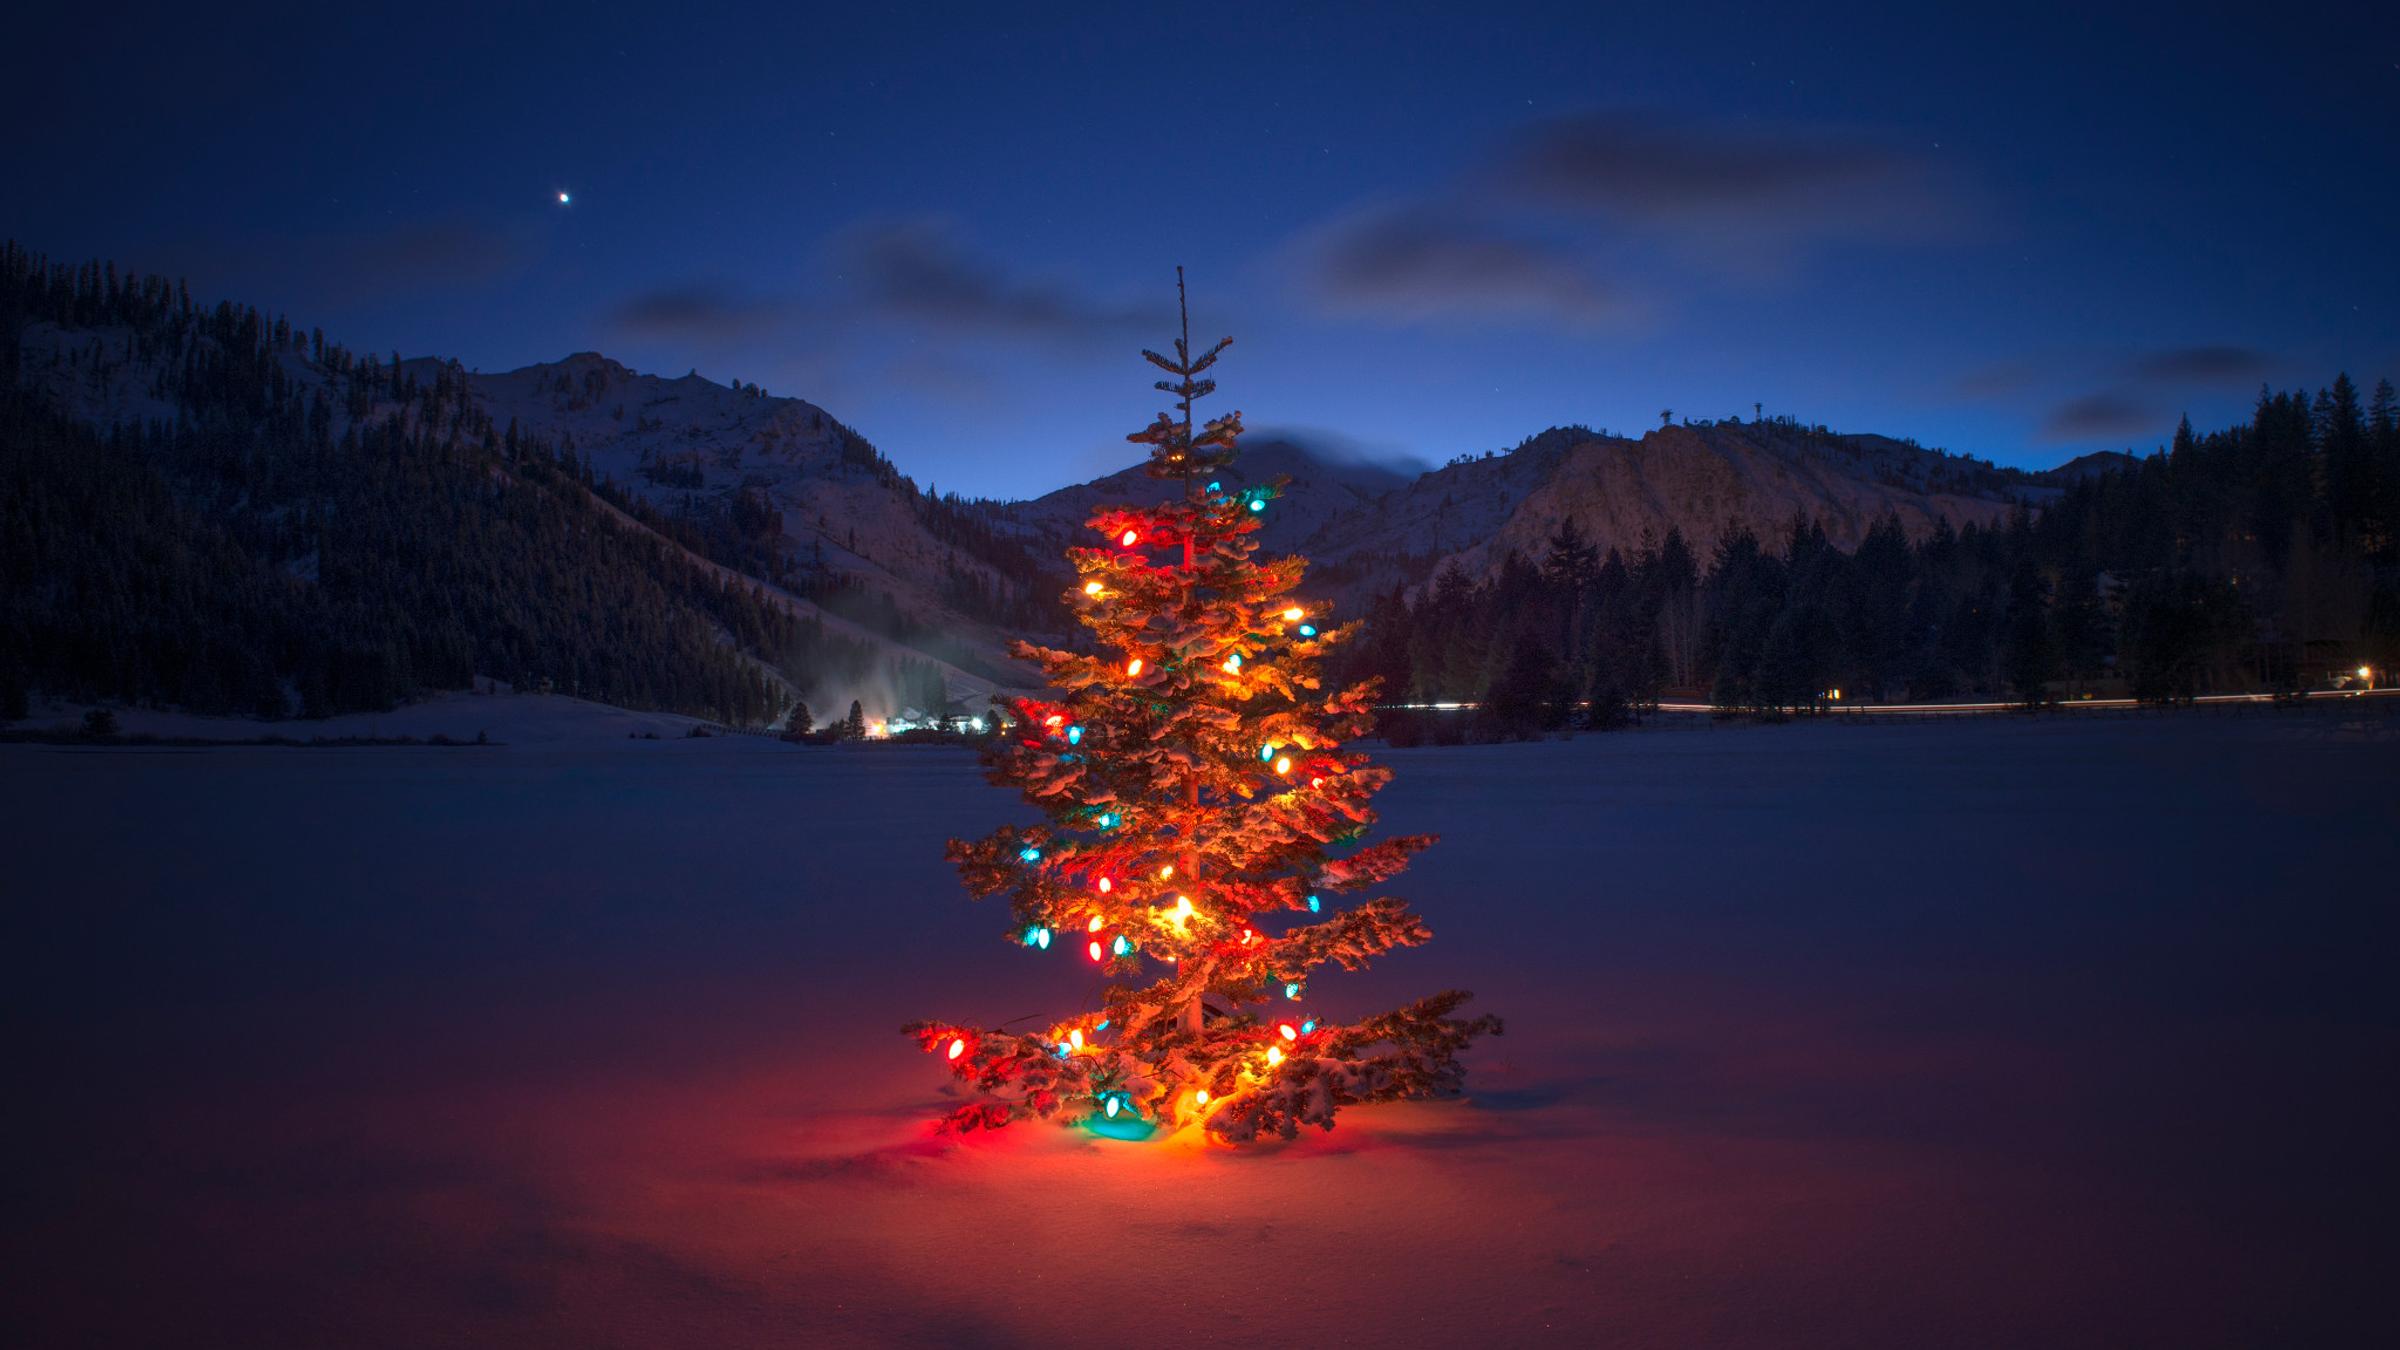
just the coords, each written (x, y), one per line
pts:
(1091, 588)
(1167, 873)
(1200, 1098)
(1093, 926)
(1287, 1032)
(1283, 764)
(1274, 1055)
(1106, 885)
(1128, 538)
(1094, 949)
(1133, 667)
(1075, 1038)
(1293, 615)
(958, 1046)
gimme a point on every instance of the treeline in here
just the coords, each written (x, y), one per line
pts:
(304, 530)
(1013, 588)
(2260, 557)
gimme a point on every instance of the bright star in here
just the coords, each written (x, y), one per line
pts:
(563, 199)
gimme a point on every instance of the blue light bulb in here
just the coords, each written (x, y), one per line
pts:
(1312, 904)
(1291, 991)
(1029, 854)
(1074, 735)
(1258, 503)
(1308, 630)
(1308, 1026)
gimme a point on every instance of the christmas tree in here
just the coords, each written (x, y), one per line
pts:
(1204, 827)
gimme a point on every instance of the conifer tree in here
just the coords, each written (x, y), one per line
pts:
(1203, 827)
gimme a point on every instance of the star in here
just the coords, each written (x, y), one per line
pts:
(564, 199)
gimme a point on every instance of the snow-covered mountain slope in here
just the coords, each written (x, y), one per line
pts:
(1323, 489)
(859, 554)
(1365, 527)
(1704, 480)
(2093, 465)
(841, 534)
(850, 520)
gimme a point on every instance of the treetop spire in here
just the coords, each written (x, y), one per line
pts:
(1175, 450)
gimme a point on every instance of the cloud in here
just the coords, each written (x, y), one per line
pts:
(2105, 414)
(454, 251)
(696, 312)
(1527, 230)
(901, 308)
(2201, 365)
(922, 271)
(1999, 380)
(1415, 264)
(2155, 371)
(1750, 181)
(1361, 461)
(331, 269)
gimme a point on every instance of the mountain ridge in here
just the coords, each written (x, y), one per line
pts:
(778, 492)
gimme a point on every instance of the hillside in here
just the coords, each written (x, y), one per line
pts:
(215, 510)
(1705, 481)
(1366, 528)
(1323, 489)
(780, 489)
(198, 477)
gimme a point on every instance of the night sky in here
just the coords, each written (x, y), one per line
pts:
(1431, 231)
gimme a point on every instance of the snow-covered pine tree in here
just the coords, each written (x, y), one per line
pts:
(1204, 825)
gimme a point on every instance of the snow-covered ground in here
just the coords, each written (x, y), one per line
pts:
(2063, 1033)
(511, 719)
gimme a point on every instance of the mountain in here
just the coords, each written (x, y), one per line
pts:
(1324, 487)
(1366, 527)
(2091, 466)
(776, 540)
(781, 490)
(213, 509)
(1705, 480)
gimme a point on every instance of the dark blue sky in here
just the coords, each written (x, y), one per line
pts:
(1431, 229)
